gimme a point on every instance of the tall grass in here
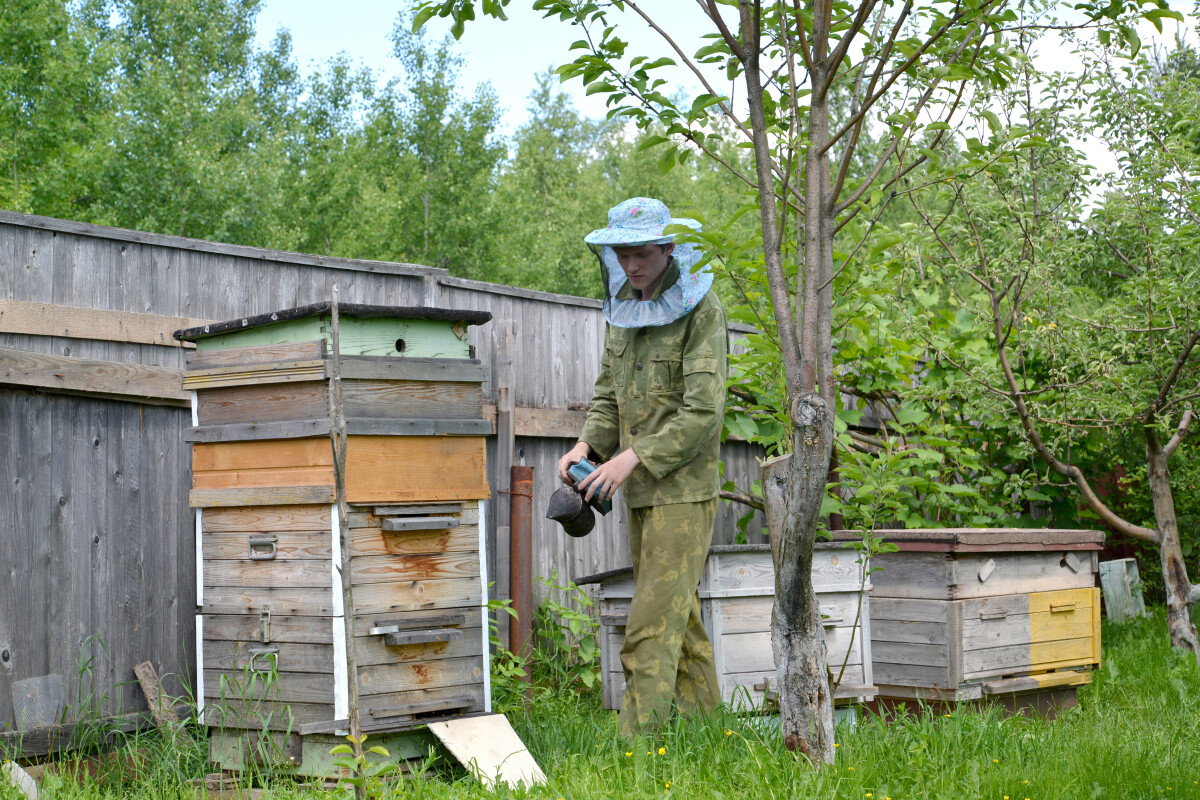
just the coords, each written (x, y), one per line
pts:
(1135, 734)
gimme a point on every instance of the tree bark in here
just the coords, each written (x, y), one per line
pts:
(793, 486)
(1175, 578)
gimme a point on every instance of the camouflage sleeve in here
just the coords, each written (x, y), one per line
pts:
(602, 430)
(699, 419)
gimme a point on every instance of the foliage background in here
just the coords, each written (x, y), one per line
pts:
(163, 115)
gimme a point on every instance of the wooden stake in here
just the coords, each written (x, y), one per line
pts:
(337, 436)
(160, 704)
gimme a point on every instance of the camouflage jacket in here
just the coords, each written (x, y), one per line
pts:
(661, 391)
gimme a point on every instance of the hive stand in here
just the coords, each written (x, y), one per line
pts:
(968, 614)
(737, 590)
(271, 635)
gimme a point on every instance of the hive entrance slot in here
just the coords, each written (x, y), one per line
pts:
(394, 524)
(418, 625)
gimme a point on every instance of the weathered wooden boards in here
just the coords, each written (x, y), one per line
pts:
(379, 469)
(271, 634)
(273, 629)
(737, 591)
(962, 614)
(1122, 589)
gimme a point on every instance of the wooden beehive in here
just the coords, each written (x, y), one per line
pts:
(963, 614)
(271, 632)
(737, 590)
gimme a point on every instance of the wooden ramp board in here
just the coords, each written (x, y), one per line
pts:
(490, 749)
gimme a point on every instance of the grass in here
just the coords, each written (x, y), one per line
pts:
(1135, 734)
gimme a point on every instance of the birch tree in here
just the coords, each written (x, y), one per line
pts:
(905, 70)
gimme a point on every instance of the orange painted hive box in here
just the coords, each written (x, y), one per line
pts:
(271, 629)
(965, 614)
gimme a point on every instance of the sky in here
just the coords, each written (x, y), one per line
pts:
(511, 54)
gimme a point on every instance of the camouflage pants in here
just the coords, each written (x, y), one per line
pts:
(667, 656)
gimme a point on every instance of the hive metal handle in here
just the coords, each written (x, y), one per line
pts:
(268, 542)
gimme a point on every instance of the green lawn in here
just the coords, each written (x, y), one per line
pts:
(1135, 734)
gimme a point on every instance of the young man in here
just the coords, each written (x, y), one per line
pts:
(655, 421)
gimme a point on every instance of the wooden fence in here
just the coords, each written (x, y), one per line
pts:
(97, 561)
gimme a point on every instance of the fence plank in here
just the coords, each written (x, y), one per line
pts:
(107, 379)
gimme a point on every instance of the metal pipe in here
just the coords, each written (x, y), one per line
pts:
(521, 560)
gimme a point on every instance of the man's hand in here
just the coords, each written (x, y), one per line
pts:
(608, 477)
(577, 452)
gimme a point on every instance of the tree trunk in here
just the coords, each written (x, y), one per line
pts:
(793, 486)
(1175, 578)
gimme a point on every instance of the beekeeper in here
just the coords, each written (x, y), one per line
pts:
(655, 424)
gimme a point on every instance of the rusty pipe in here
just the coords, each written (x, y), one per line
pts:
(520, 632)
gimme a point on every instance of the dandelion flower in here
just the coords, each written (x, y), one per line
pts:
(729, 733)
(837, 744)
(628, 753)
(668, 785)
(870, 795)
(995, 761)
(850, 768)
(662, 751)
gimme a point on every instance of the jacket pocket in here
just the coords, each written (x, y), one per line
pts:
(615, 349)
(666, 373)
(699, 364)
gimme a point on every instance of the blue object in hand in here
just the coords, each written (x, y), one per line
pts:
(580, 470)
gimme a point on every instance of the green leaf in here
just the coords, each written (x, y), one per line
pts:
(883, 242)
(742, 426)
(992, 120)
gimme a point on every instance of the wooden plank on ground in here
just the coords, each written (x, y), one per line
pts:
(48, 319)
(160, 704)
(103, 379)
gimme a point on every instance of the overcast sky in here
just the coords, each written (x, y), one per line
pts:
(510, 54)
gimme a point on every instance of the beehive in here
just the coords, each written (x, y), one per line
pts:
(737, 590)
(271, 635)
(960, 615)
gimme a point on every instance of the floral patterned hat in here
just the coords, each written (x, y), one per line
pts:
(638, 220)
(641, 220)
